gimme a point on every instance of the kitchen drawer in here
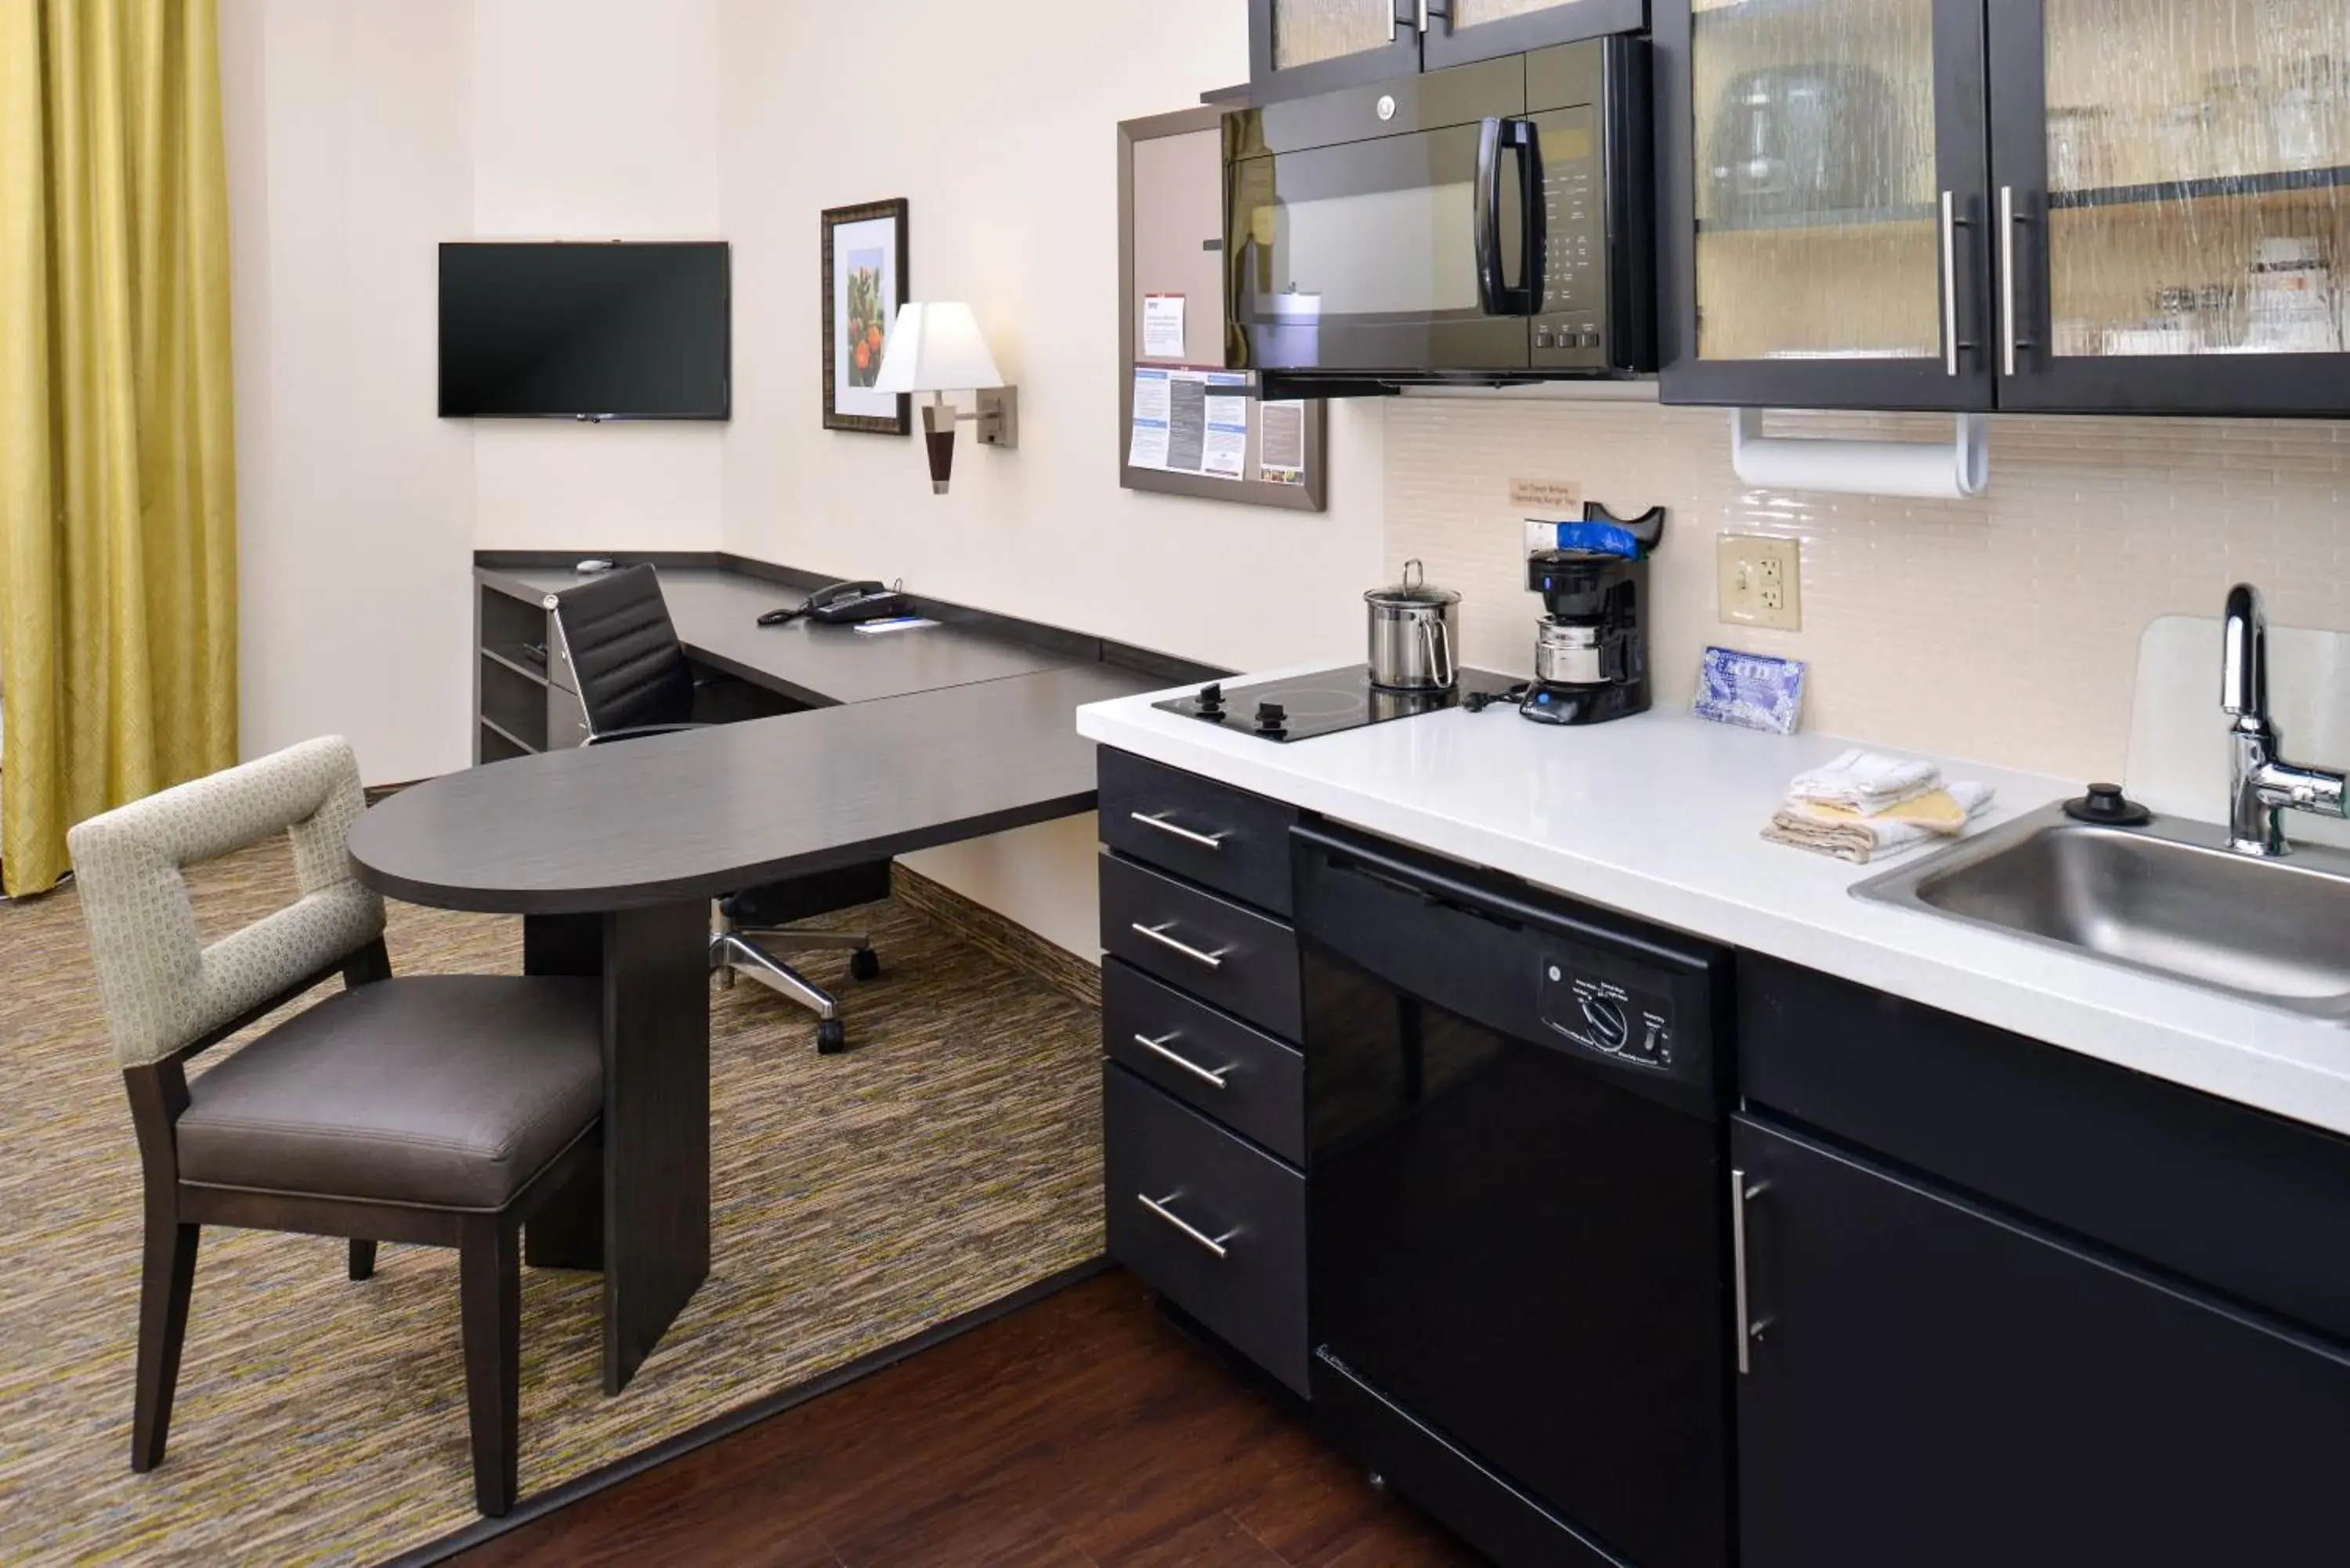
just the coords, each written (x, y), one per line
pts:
(2221, 1193)
(1245, 1079)
(1217, 1227)
(1219, 951)
(1221, 837)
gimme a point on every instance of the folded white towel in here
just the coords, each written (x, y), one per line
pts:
(1867, 782)
(1861, 839)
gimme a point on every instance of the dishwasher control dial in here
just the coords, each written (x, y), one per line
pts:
(1610, 1030)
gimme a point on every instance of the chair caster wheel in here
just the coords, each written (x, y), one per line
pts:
(831, 1037)
(864, 964)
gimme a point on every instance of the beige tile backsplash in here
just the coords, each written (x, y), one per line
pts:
(2004, 629)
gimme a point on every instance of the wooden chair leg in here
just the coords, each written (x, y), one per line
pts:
(362, 1259)
(489, 1277)
(167, 1278)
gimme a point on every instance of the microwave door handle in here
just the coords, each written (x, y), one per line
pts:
(1487, 218)
(1534, 203)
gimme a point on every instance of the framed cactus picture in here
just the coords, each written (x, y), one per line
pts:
(864, 285)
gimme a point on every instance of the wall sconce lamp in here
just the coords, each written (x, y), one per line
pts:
(937, 348)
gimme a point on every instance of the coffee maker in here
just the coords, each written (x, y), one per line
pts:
(1591, 649)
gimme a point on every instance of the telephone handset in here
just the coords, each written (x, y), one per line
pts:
(842, 604)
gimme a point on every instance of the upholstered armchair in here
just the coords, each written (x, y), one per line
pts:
(440, 1110)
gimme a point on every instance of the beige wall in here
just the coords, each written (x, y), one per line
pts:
(2004, 630)
(597, 119)
(349, 155)
(1004, 139)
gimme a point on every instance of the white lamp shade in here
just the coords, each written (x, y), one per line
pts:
(937, 348)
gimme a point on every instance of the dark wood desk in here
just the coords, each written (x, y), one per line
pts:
(717, 615)
(612, 856)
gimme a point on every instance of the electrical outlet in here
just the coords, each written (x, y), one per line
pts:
(1761, 581)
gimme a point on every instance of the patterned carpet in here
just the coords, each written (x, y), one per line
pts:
(949, 1158)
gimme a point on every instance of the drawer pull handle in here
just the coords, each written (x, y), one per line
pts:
(1204, 840)
(1158, 934)
(1159, 1047)
(1158, 1206)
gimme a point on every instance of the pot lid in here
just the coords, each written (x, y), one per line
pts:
(1413, 591)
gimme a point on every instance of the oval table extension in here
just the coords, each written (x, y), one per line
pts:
(612, 853)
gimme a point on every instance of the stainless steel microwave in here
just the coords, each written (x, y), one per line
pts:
(1490, 223)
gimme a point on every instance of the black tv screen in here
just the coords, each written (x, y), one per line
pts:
(584, 331)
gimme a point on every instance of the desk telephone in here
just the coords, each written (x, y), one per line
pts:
(842, 604)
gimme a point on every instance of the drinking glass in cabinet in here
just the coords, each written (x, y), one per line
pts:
(1817, 196)
(2213, 214)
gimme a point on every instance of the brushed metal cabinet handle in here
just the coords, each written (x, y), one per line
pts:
(2007, 222)
(1215, 1244)
(1949, 283)
(1214, 1078)
(1158, 934)
(1204, 840)
(1748, 1331)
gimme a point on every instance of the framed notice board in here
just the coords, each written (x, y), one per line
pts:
(1186, 425)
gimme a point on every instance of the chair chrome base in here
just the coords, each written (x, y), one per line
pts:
(733, 951)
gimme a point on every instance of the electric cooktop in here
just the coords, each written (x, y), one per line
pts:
(1300, 707)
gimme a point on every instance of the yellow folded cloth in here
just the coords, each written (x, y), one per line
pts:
(1939, 811)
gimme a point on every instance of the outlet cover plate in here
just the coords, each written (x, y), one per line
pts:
(1761, 578)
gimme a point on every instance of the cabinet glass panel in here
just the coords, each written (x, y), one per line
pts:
(1818, 206)
(1305, 32)
(2198, 176)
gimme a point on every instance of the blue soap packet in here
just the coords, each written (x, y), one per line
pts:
(1753, 690)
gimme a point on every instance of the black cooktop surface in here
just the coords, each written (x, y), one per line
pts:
(1300, 707)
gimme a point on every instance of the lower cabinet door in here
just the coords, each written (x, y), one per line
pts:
(1933, 1386)
(1217, 1227)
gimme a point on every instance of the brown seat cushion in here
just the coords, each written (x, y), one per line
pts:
(448, 1091)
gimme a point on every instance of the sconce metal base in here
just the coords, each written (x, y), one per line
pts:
(999, 416)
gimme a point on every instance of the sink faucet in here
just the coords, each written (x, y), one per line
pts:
(2263, 783)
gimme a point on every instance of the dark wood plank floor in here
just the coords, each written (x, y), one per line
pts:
(1085, 1430)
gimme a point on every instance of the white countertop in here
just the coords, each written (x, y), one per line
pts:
(1661, 816)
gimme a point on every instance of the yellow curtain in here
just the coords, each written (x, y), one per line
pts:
(117, 479)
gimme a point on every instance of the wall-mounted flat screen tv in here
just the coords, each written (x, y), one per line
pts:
(623, 331)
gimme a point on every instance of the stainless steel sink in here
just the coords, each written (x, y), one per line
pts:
(2169, 898)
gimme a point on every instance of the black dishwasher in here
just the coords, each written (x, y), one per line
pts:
(1518, 1207)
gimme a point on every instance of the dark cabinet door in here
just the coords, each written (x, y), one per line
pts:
(1458, 31)
(2173, 204)
(1825, 203)
(1301, 46)
(1934, 1387)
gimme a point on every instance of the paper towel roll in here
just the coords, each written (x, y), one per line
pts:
(1959, 470)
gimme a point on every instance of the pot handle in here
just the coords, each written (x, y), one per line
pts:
(1438, 639)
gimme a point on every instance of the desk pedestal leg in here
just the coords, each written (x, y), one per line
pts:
(656, 965)
(569, 1232)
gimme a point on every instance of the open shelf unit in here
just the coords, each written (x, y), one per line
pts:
(523, 700)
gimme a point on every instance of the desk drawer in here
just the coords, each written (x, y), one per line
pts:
(1216, 1226)
(1222, 838)
(1246, 1080)
(1242, 962)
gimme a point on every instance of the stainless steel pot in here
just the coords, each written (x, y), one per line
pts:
(1414, 634)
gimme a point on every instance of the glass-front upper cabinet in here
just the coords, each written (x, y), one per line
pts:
(2174, 204)
(1826, 192)
(1301, 46)
(1298, 47)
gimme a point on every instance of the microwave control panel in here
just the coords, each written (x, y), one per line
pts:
(1570, 331)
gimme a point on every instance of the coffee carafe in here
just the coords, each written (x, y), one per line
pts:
(1591, 650)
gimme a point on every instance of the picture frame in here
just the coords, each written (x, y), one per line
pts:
(865, 286)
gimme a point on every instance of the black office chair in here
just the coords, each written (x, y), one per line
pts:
(615, 633)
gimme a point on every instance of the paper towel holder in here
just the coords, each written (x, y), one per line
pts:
(1958, 471)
